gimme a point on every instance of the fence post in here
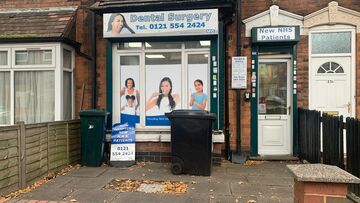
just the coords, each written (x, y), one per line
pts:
(22, 163)
(48, 148)
(67, 144)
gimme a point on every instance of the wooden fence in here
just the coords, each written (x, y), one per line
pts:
(309, 139)
(29, 152)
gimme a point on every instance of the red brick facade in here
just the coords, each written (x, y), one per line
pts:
(84, 85)
(251, 8)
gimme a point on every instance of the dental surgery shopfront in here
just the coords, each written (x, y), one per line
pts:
(158, 61)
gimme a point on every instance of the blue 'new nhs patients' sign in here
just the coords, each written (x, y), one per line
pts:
(276, 34)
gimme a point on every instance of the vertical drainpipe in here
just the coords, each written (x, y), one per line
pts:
(238, 157)
(226, 75)
(93, 42)
(238, 92)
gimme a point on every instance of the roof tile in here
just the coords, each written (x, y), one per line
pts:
(36, 24)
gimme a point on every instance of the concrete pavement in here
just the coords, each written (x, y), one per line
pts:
(260, 182)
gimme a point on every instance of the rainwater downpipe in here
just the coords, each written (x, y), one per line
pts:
(226, 75)
(238, 91)
(93, 40)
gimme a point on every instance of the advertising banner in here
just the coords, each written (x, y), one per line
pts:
(122, 143)
(161, 23)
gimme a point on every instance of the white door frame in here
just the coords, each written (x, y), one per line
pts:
(336, 28)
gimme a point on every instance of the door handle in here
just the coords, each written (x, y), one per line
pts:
(348, 106)
(289, 109)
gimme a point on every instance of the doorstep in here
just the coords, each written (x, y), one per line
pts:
(274, 158)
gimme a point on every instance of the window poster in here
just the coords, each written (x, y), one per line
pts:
(129, 94)
(163, 92)
(197, 83)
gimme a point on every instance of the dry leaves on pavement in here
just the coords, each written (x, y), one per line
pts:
(40, 182)
(253, 162)
(128, 185)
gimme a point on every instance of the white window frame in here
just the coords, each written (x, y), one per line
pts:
(36, 47)
(56, 66)
(141, 52)
(8, 58)
(71, 70)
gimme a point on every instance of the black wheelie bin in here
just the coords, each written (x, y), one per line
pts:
(191, 141)
(92, 128)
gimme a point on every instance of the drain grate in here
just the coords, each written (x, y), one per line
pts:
(147, 186)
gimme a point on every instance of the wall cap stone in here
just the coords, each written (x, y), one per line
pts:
(321, 173)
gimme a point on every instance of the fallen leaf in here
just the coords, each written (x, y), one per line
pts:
(73, 200)
(143, 174)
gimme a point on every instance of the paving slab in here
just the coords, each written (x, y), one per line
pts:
(43, 193)
(265, 182)
(91, 196)
(87, 183)
(158, 198)
(89, 172)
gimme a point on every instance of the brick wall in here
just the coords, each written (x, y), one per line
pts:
(100, 64)
(37, 3)
(303, 72)
(302, 7)
(161, 152)
(319, 192)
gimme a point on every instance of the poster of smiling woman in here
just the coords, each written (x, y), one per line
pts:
(163, 87)
(129, 94)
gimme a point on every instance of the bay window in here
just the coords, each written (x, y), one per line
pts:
(31, 84)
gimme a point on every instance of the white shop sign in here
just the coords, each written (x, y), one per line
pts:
(239, 72)
(161, 23)
(276, 34)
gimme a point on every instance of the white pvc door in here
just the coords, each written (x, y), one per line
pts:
(330, 85)
(274, 107)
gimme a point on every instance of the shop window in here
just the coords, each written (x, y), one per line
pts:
(330, 67)
(129, 92)
(163, 76)
(129, 45)
(331, 42)
(163, 86)
(5, 98)
(163, 45)
(197, 44)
